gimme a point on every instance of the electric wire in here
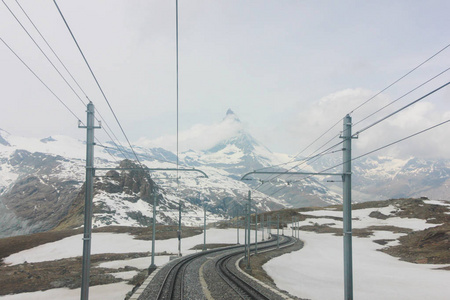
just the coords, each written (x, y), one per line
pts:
(98, 84)
(365, 102)
(43, 53)
(404, 95)
(396, 81)
(315, 157)
(377, 122)
(35, 75)
(400, 109)
(310, 157)
(372, 151)
(48, 88)
(176, 9)
(388, 145)
(64, 66)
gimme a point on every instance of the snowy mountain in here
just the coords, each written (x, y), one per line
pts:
(381, 177)
(42, 187)
(41, 181)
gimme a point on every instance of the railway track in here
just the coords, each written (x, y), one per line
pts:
(244, 289)
(173, 284)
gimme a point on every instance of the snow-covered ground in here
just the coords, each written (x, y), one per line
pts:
(316, 271)
(112, 243)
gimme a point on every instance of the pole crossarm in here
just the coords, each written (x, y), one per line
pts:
(154, 169)
(289, 173)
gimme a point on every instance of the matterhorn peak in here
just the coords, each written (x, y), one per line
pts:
(231, 115)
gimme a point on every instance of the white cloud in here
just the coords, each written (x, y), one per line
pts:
(198, 137)
(328, 110)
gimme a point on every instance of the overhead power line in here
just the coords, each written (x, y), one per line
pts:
(403, 139)
(404, 95)
(64, 66)
(50, 90)
(370, 152)
(176, 9)
(98, 84)
(43, 53)
(364, 103)
(396, 81)
(43, 83)
(400, 109)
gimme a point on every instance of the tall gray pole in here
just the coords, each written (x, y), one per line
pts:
(292, 227)
(153, 266)
(179, 229)
(89, 194)
(237, 226)
(347, 209)
(248, 228)
(204, 225)
(278, 231)
(256, 230)
(245, 232)
(262, 227)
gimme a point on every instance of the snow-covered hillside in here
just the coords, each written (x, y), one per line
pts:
(42, 177)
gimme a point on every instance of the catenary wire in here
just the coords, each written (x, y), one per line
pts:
(383, 119)
(48, 88)
(42, 51)
(396, 81)
(98, 84)
(70, 74)
(176, 18)
(372, 151)
(400, 109)
(404, 95)
(365, 102)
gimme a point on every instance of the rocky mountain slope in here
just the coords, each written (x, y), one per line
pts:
(41, 182)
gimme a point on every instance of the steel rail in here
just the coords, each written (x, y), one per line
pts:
(176, 272)
(240, 286)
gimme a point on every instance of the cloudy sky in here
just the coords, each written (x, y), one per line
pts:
(289, 69)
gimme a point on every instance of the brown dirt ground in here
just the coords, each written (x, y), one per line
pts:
(29, 277)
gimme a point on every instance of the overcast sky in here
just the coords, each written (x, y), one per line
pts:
(289, 69)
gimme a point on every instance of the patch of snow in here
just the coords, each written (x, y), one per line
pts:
(437, 202)
(140, 263)
(125, 275)
(114, 291)
(118, 243)
(316, 272)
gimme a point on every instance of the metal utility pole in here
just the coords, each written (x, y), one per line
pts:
(248, 228)
(278, 231)
(153, 266)
(347, 207)
(292, 227)
(269, 226)
(262, 227)
(256, 230)
(204, 225)
(282, 226)
(179, 229)
(237, 226)
(245, 232)
(89, 194)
